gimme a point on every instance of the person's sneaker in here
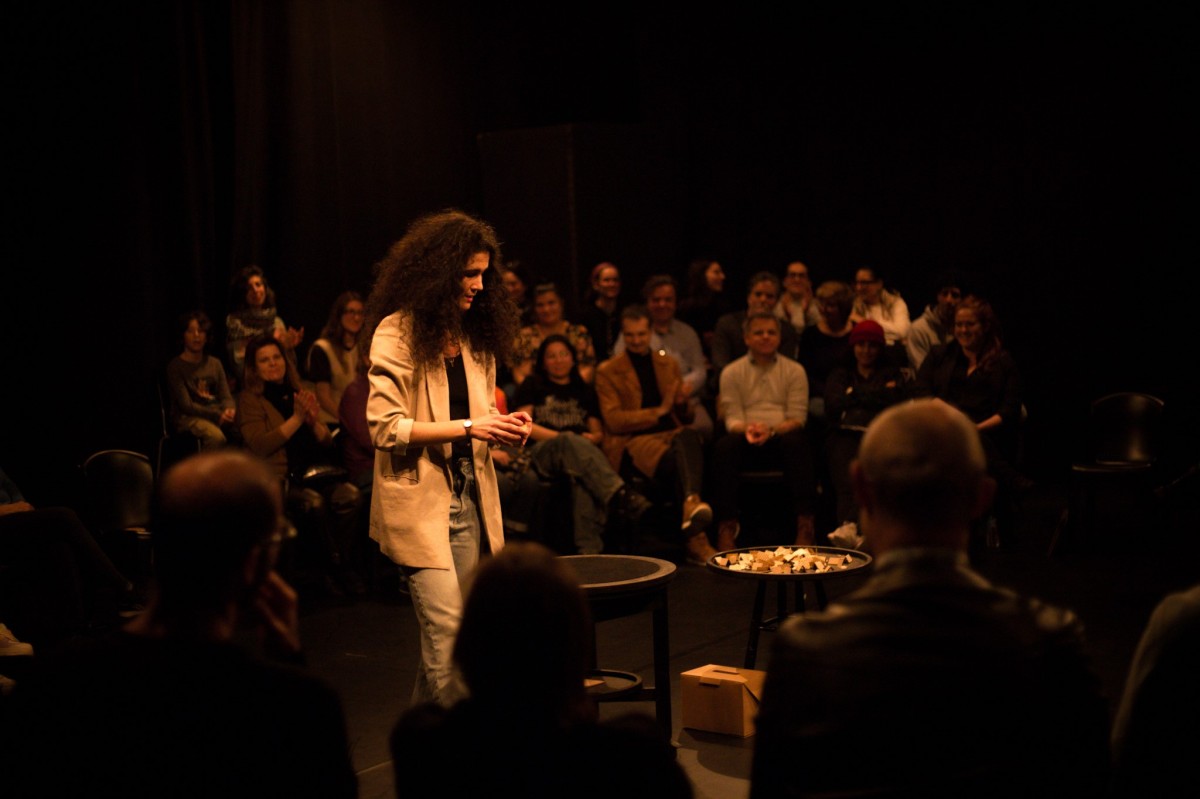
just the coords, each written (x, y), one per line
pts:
(630, 505)
(727, 534)
(10, 646)
(697, 514)
(699, 550)
(806, 531)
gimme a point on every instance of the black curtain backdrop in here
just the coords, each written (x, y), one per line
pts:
(156, 147)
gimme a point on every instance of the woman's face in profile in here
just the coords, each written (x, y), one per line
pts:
(714, 276)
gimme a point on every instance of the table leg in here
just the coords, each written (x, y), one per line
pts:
(662, 669)
(756, 617)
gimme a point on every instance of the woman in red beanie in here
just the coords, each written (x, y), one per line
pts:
(854, 395)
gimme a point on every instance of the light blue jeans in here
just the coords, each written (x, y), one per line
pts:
(437, 594)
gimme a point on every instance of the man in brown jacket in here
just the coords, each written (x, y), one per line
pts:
(647, 418)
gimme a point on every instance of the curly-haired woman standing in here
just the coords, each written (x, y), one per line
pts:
(440, 319)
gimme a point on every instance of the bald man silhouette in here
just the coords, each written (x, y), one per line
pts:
(928, 681)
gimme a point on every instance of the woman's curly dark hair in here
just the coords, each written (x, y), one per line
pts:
(422, 275)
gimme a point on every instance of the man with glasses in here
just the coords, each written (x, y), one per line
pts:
(797, 305)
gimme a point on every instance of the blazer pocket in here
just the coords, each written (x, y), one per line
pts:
(403, 468)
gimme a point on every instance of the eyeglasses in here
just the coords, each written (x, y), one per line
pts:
(797, 274)
(353, 312)
(867, 282)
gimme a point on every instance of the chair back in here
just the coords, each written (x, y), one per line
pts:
(119, 490)
(1126, 428)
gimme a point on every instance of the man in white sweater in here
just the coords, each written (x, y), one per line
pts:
(764, 404)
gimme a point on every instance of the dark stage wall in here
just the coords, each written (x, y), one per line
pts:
(156, 147)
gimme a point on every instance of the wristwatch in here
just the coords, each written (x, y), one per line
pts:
(467, 424)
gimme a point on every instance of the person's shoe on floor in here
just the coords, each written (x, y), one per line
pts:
(806, 531)
(697, 514)
(699, 549)
(10, 645)
(630, 505)
(727, 534)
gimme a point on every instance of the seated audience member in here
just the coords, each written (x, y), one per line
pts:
(1154, 736)
(174, 704)
(680, 341)
(199, 396)
(333, 357)
(764, 404)
(797, 305)
(526, 622)
(822, 349)
(729, 340)
(977, 375)
(517, 283)
(601, 312)
(887, 308)
(252, 313)
(58, 583)
(932, 682)
(358, 458)
(548, 320)
(358, 453)
(646, 418)
(854, 396)
(280, 422)
(827, 346)
(565, 442)
(706, 300)
(935, 327)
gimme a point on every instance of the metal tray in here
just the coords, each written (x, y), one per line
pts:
(859, 561)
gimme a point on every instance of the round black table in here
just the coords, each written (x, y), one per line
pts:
(623, 585)
(798, 580)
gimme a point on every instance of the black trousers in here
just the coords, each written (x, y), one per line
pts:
(789, 452)
(683, 464)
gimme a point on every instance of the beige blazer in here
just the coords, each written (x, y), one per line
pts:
(410, 498)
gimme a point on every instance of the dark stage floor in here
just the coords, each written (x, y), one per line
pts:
(368, 647)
